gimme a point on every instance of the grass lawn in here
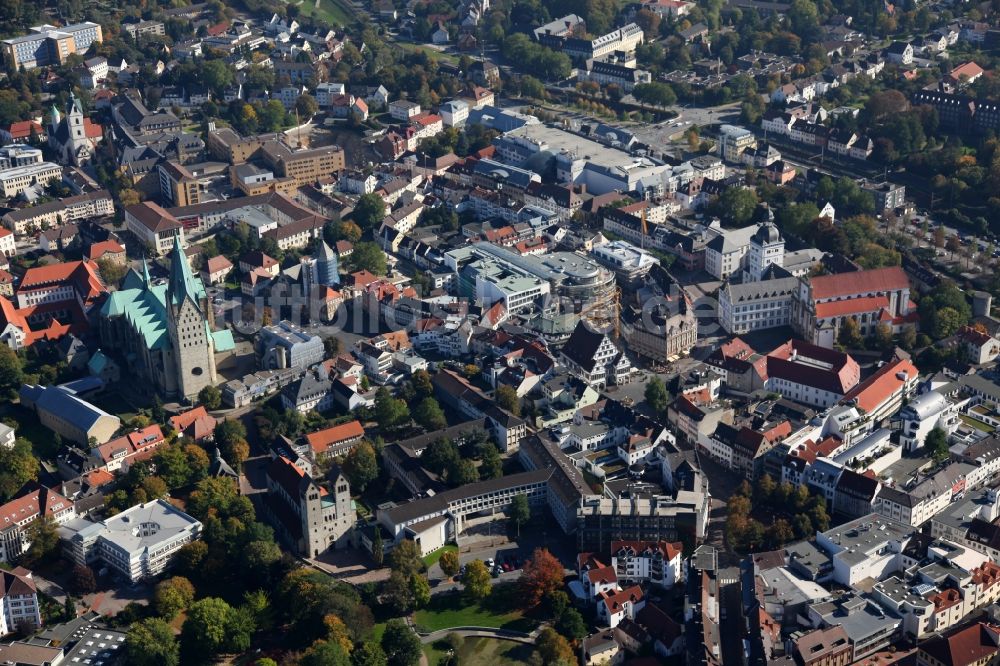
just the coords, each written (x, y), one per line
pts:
(453, 610)
(337, 12)
(377, 631)
(976, 423)
(431, 560)
(482, 652)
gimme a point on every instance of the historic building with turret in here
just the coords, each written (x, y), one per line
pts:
(73, 136)
(164, 332)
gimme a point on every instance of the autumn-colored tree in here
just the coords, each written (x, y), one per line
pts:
(554, 649)
(476, 580)
(542, 574)
(128, 197)
(337, 632)
(449, 563)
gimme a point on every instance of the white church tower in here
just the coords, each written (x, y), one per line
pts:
(767, 247)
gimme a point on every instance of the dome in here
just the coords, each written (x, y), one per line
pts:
(767, 233)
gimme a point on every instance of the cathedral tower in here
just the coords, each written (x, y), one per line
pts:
(188, 324)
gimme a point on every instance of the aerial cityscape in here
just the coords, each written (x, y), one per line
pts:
(499, 333)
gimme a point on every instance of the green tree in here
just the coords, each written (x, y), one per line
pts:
(477, 580)
(422, 383)
(429, 415)
(883, 336)
(325, 653)
(400, 644)
(369, 212)
(173, 595)
(736, 206)
(936, 444)
(18, 466)
(656, 394)
(520, 512)
(210, 397)
(506, 398)
(420, 589)
(368, 256)
(44, 541)
(229, 431)
(397, 593)
(151, 642)
(571, 625)
(203, 634)
(306, 106)
(849, 336)
(11, 370)
(378, 548)
(449, 563)
(405, 558)
(361, 466)
(463, 472)
(656, 93)
(390, 412)
(111, 271)
(491, 464)
(369, 653)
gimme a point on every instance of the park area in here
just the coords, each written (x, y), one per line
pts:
(498, 611)
(481, 652)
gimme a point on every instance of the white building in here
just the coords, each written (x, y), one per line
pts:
(866, 547)
(643, 562)
(924, 413)
(18, 601)
(17, 180)
(767, 248)
(454, 113)
(756, 306)
(724, 253)
(137, 543)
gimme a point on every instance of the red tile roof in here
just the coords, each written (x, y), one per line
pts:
(22, 129)
(139, 442)
(615, 600)
(878, 388)
(82, 274)
(195, 423)
(970, 645)
(851, 306)
(842, 285)
(98, 250)
(320, 441)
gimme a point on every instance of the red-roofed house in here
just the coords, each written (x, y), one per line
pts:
(980, 346)
(599, 580)
(195, 423)
(882, 394)
(110, 250)
(975, 645)
(811, 374)
(20, 132)
(335, 441)
(17, 514)
(870, 297)
(614, 606)
(657, 563)
(964, 74)
(118, 453)
(217, 268)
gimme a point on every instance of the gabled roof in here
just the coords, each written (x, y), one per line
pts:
(583, 345)
(970, 645)
(879, 387)
(322, 440)
(842, 285)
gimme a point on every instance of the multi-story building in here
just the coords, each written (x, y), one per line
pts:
(307, 516)
(870, 297)
(18, 514)
(648, 563)
(601, 521)
(811, 374)
(867, 547)
(178, 186)
(593, 357)
(137, 543)
(823, 647)
(49, 45)
(18, 602)
(16, 180)
(139, 28)
(888, 196)
(92, 204)
(18, 155)
(757, 305)
(924, 413)
(71, 417)
(767, 248)
(285, 345)
(733, 141)
(663, 329)
(155, 227)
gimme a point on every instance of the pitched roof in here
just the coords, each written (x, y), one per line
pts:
(218, 263)
(322, 440)
(98, 250)
(875, 390)
(194, 423)
(841, 285)
(851, 306)
(966, 646)
(153, 217)
(583, 345)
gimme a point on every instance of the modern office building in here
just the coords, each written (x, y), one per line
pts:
(49, 45)
(137, 543)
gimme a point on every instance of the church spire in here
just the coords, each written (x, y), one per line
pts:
(181, 285)
(146, 281)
